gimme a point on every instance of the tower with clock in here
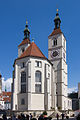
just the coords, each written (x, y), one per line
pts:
(57, 55)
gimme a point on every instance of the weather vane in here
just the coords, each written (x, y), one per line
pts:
(57, 10)
(26, 21)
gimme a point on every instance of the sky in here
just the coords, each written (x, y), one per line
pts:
(40, 15)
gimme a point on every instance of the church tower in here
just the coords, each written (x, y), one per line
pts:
(57, 55)
(0, 83)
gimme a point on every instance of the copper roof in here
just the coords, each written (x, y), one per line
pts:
(55, 31)
(32, 50)
(25, 41)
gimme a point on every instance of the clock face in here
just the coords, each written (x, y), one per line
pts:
(55, 54)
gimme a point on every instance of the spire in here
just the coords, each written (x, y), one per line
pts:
(57, 20)
(26, 31)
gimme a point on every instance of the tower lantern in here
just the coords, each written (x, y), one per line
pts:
(26, 32)
(57, 20)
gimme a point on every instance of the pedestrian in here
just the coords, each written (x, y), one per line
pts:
(27, 116)
(57, 116)
(62, 116)
(67, 117)
(30, 116)
(4, 117)
(78, 117)
(13, 117)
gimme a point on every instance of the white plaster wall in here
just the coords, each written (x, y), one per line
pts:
(63, 40)
(30, 70)
(37, 101)
(42, 70)
(15, 88)
(59, 41)
(59, 63)
(65, 105)
(53, 89)
(69, 104)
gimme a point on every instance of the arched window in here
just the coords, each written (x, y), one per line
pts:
(38, 76)
(23, 82)
(23, 77)
(38, 82)
(55, 42)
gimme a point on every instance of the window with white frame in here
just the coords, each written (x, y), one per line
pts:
(23, 82)
(38, 82)
(38, 88)
(38, 64)
(38, 76)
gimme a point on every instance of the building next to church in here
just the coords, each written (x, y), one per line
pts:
(5, 97)
(75, 96)
(40, 83)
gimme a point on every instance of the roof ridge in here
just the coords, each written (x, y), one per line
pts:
(25, 41)
(40, 50)
(31, 48)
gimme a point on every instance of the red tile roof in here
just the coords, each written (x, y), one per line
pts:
(6, 93)
(5, 96)
(7, 99)
(25, 41)
(32, 50)
(55, 31)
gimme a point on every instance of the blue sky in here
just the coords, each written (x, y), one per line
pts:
(40, 15)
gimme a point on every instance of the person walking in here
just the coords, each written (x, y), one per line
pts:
(30, 116)
(62, 116)
(57, 116)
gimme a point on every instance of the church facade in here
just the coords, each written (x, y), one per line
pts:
(40, 83)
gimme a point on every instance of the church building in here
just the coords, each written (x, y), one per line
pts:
(40, 83)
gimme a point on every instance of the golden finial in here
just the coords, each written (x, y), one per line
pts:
(26, 21)
(57, 10)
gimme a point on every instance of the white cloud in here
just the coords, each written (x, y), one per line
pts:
(73, 89)
(6, 83)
